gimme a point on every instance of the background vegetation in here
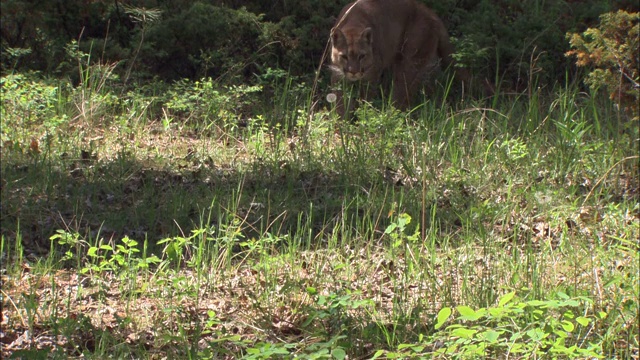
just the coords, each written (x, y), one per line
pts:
(175, 186)
(194, 39)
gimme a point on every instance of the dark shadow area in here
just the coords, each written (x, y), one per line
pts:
(110, 199)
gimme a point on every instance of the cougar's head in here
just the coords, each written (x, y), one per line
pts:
(351, 52)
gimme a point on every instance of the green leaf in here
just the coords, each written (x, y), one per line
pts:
(390, 228)
(464, 333)
(568, 314)
(404, 220)
(465, 310)
(311, 290)
(443, 316)
(92, 252)
(338, 354)
(602, 314)
(567, 326)
(536, 303)
(571, 302)
(583, 320)
(499, 311)
(491, 336)
(506, 298)
(470, 314)
(517, 348)
(536, 334)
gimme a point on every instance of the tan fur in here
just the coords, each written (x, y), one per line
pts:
(403, 37)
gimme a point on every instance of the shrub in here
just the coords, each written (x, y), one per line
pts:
(206, 40)
(611, 49)
(521, 42)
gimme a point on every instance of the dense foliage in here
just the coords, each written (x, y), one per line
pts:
(508, 40)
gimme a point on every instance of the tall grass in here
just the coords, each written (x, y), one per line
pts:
(214, 226)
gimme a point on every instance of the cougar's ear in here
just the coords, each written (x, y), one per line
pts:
(367, 35)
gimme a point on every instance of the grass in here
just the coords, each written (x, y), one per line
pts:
(197, 224)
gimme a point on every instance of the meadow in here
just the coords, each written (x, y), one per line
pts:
(196, 220)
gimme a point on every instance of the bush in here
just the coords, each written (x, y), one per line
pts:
(522, 42)
(611, 50)
(206, 40)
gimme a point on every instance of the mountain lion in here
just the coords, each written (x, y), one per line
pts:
(401, 37)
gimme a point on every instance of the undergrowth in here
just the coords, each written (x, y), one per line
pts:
(194, 221)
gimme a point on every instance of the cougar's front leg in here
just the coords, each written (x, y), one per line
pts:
(337, 86)
(406, 79)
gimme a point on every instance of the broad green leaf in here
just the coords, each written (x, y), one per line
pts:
(129, 242)
(560, 343)
(536, 303)
(499, 311)
(443, 316)
(338, 354)
(506, 298)
(464, 333)
(583, 320)
(465, 310)
(536, 334)
(491, 336)
(404, 220)
(571, 302)
(516, 348)
(567, 326)
(602, 314)
(470, 314)
(390, 228)
(311, 290)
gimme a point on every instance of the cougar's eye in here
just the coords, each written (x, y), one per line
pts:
(361, 57)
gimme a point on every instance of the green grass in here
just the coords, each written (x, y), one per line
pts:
(192, 222)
